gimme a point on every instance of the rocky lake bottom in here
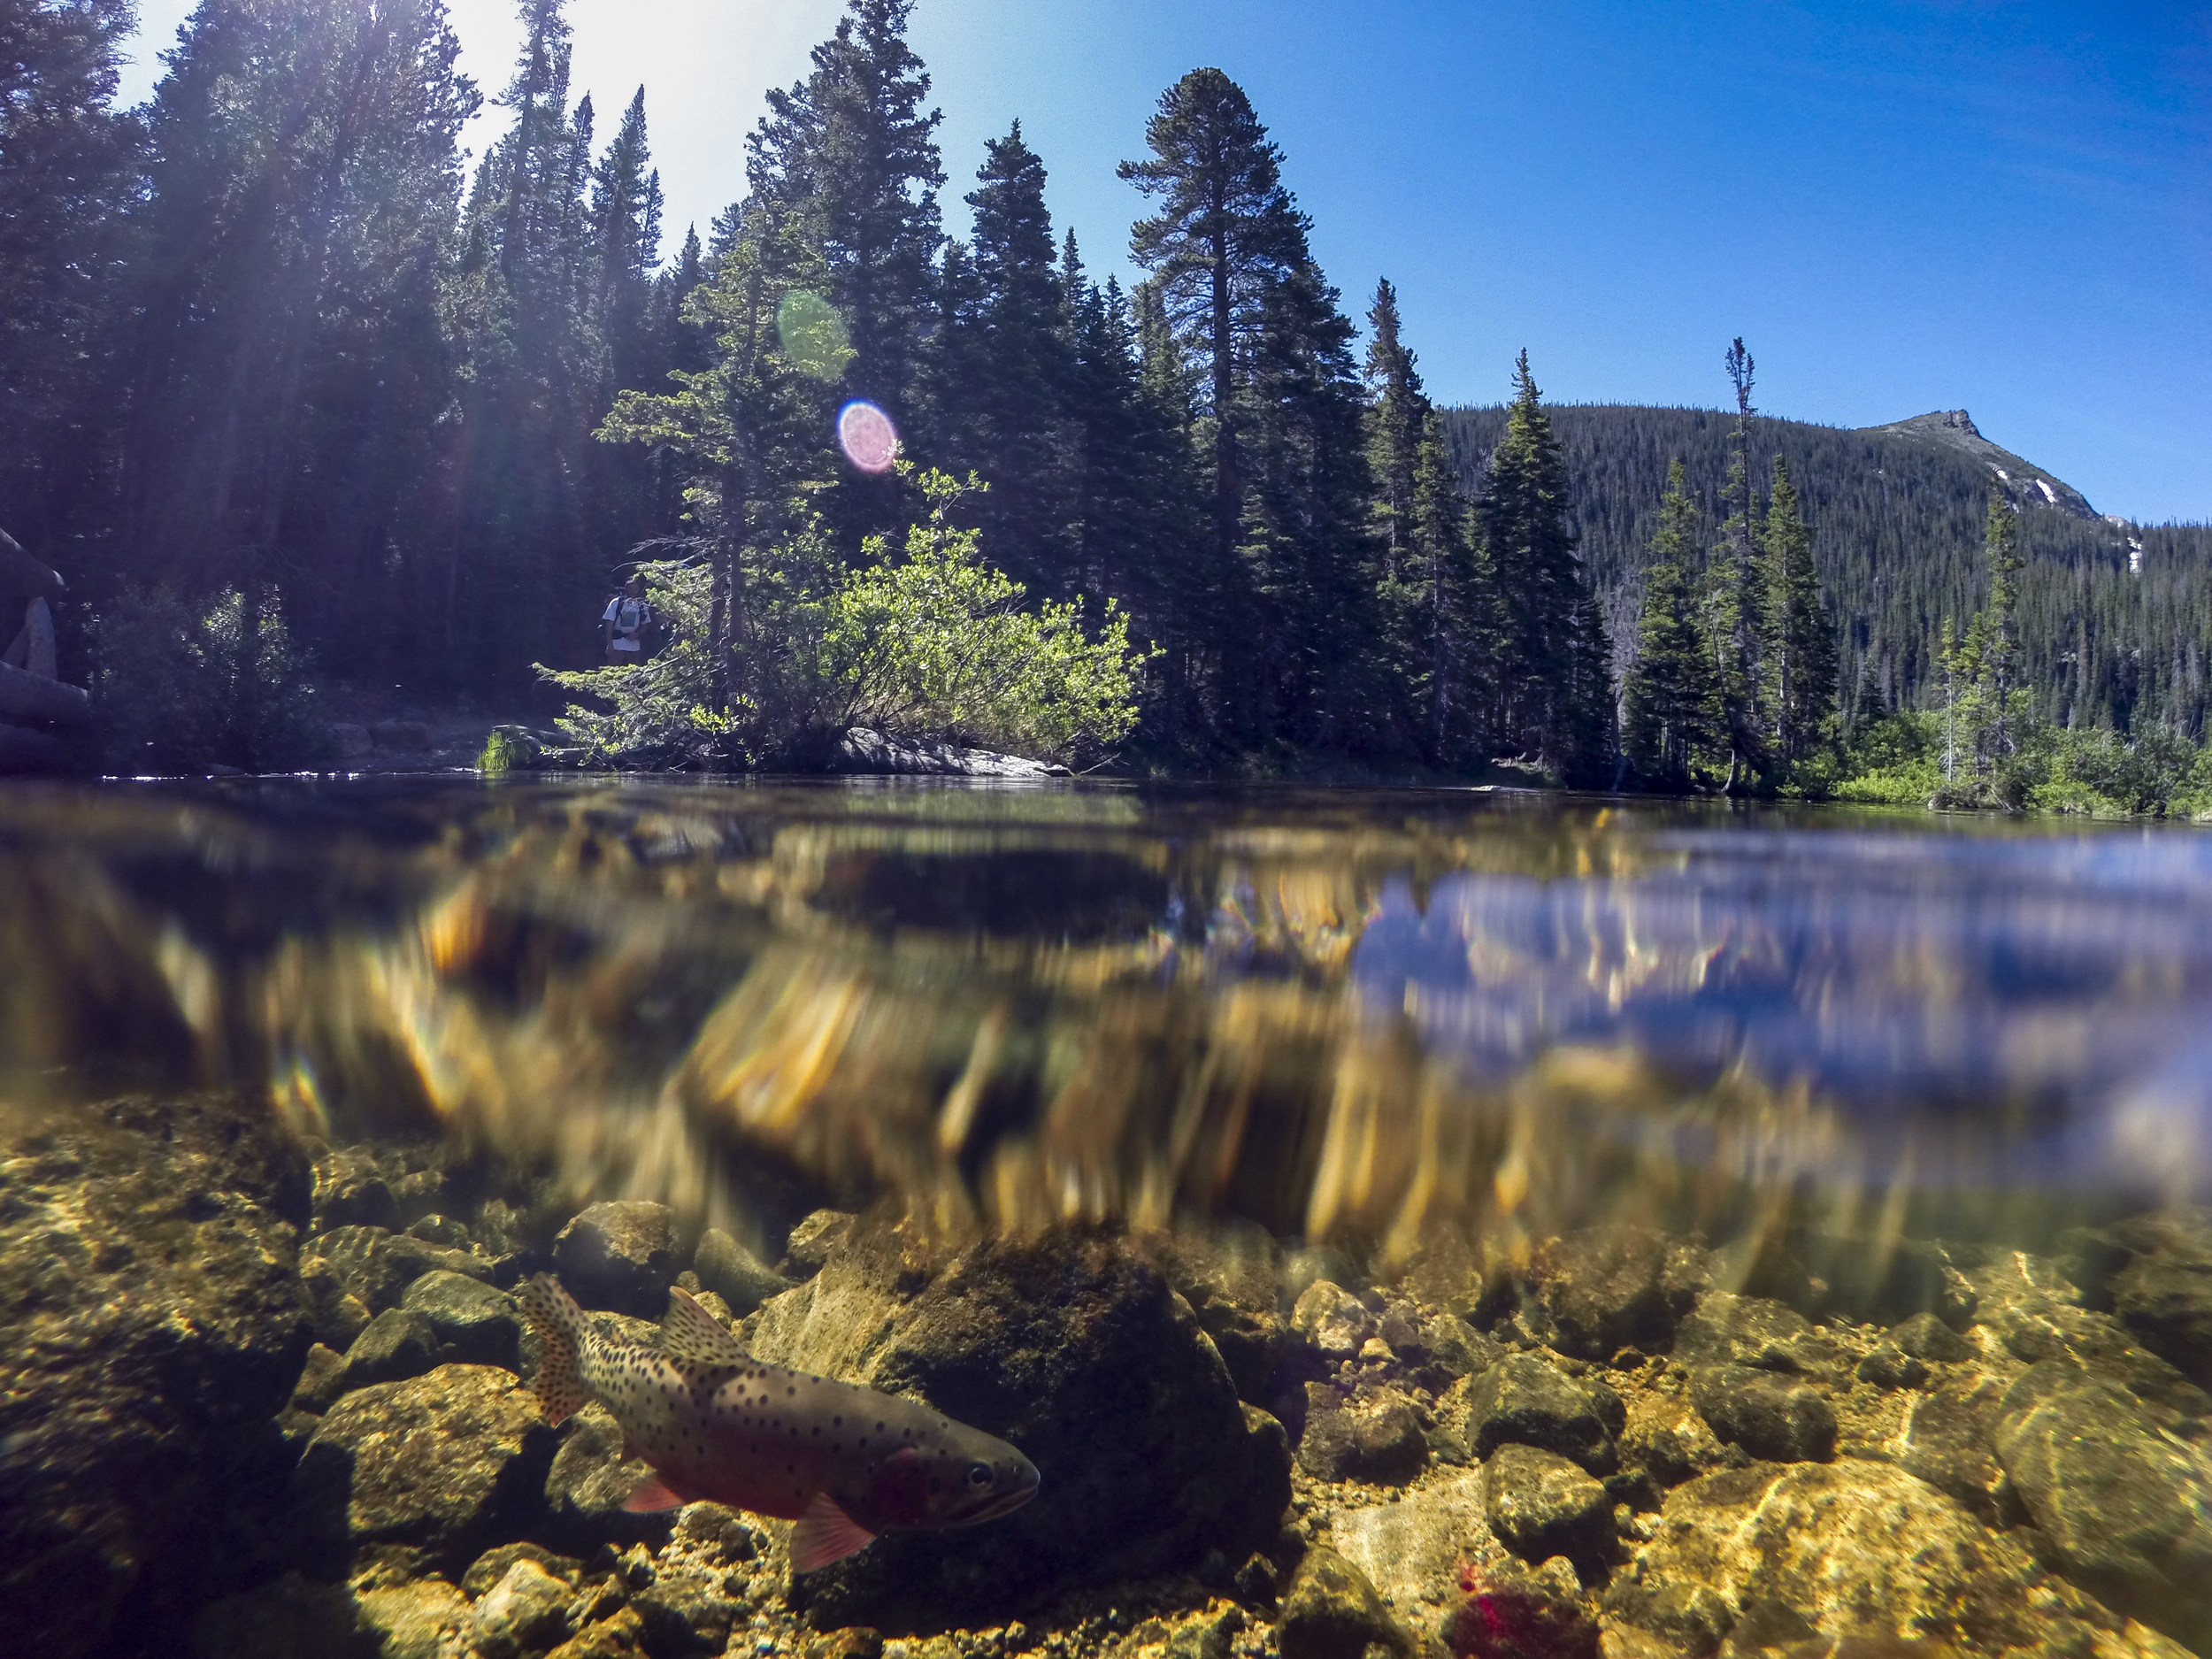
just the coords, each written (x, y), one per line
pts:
(258, 1399)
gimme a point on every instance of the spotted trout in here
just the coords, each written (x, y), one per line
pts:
(846, 1463)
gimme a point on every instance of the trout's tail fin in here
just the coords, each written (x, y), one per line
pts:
(559, 1323)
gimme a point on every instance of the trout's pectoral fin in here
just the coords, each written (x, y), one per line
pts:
(825, 1534)
(654, 1495)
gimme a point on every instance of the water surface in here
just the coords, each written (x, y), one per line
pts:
(1345, 1015)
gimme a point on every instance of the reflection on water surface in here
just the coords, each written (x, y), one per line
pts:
(1358, 1015)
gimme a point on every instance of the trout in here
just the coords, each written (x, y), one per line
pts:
(845, 1462)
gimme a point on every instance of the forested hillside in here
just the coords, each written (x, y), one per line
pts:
(2115, 618)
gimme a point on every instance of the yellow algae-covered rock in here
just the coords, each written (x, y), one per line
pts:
(1849, 1549)
(424, 1471)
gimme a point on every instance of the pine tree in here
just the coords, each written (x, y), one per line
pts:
(1004, 366)
(1800, 654)
(2000, 657)
(1676, 724)
(750, 434)
(1397, 422)
(1279, 416)
(1546, 674)
(66, 158)
(626, 236)
(850, 153)
(1735, 590)
(1451, 626)
(1227, 235)
(288, 367)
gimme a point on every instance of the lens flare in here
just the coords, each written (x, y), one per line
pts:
(865, 433)
(812, 336)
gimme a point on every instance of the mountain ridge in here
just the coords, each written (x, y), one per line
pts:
(2116, 616)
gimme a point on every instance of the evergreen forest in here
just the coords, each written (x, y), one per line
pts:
(296, 398)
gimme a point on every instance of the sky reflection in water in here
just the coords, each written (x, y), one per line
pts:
(2053, 989)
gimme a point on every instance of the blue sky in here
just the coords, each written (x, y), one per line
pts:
(2004, 205)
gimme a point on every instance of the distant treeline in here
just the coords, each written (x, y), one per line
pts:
(285, 382)
(1897, 522)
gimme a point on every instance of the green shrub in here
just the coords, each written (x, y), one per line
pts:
(175, 692)
(929, 643)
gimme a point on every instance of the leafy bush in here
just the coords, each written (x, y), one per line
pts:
(2098, 774)
(934, 643)
(173, 693)
(1895, 761)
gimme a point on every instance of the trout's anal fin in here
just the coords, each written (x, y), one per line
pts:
(654, 1495)
(690, 1336)
(825, 1534)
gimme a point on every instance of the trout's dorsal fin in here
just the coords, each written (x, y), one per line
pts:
(690, 1337)
(825, 1534)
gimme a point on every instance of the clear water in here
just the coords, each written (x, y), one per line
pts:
(1345, 1015)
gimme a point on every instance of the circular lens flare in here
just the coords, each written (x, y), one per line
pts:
(813, 334)
(865, 433)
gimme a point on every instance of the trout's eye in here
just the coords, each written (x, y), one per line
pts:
(979, 1476)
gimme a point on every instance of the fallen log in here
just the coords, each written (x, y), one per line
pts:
(23, 577)
(38, 640)
(23, 750)
(27, 696)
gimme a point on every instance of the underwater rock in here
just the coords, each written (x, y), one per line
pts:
(694, 1598)
(428, 1472)
(1926, 1338)
(2032, 1310)
(350, 1191)
(621, 1636)
(1726, 1330)
(1377, 1439)
(1845, 1549)
(1599, 1291)
(734, 1273)
(376, 1266)
(525, 1611)
(490, 1567)
(1519, 1614)
(1228, 1276)
(1529, 1401)
(2127, 1509)
(1411, 1548)
(589, 1480)
(620, 1256)
(1331, 1321)
(476, 1324)
(319, 1384)
(151, 1327)
(1890, 1367)
(1074, 1348)
(338, 1315)
(817, 1237)
(393, 1346)
(421, 1618)
(1540, 1504)
(1944, 1439)
(1769, 1415)
(1667, 1437)
(2154, 1273)
(1331, 1611)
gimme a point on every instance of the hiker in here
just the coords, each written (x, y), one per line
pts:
(622, 629)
